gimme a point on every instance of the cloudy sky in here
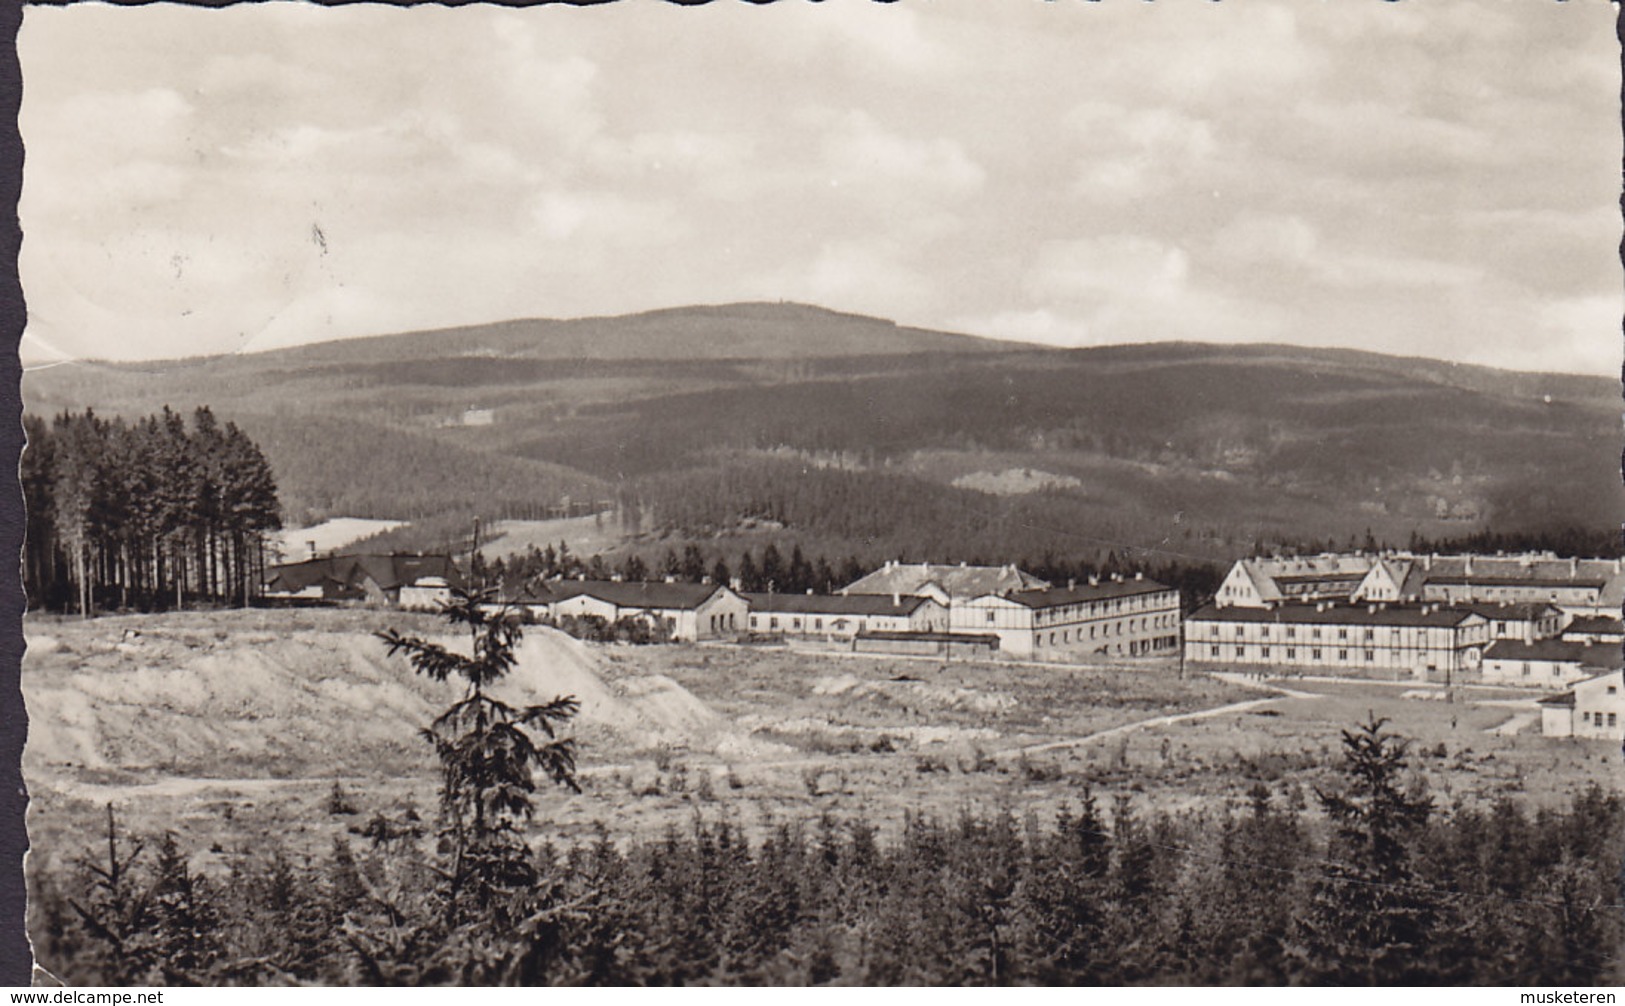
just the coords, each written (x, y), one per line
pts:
(1428, 178)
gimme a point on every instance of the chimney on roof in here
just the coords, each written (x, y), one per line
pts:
(614, 577)
(896, 599)
(1320, 606)
(1467, 567)
(1094, 581)
(809, 591)
(311, 546)
(1371, 609)
(1072, 585)
(735, 584)
(1139, 575)
(670, 579)
(1574, 567)
(961, 564)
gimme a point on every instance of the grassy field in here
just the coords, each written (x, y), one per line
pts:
(232, 728)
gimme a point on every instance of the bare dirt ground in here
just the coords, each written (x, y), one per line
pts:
(231, 728)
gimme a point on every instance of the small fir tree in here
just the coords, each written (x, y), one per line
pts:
(487, 754)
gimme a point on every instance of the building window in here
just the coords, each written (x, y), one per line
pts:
(1613, 719)
(773, 623)
(1370, 655)
(990, 616)
(795, 623)
(1371, 634)
(1241, 652)
(1264, 652)
(1342, 633)
(1342, 655)
(1314, 654)
(1526, 668)
(1315, 634)
(818, 623)
(1215, 650)
(1291, 633)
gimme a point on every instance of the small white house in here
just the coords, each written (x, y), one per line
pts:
(844, 616)
(1593, 709)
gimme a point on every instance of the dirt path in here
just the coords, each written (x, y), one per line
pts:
(1279, 692)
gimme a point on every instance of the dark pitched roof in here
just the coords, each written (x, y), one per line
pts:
(1340, 614)
(389, 572)
(835, 604)
(1526, 611)
(636, 594)
(1559, 650)
(1597, 624)
(1055, 597)
(1565, 699)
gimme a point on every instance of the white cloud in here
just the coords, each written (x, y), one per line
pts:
(1116, 268)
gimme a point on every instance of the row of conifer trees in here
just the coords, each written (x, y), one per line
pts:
(151, 514)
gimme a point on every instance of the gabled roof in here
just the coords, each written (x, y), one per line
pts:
(1565, 699)
(955, 581)
(1557, 651)
(389, 572)
(636, 594)
(836, 604)
(1341, 614)
(1055, 597)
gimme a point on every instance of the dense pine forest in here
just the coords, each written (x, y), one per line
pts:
(1379, 887)
(149, 515)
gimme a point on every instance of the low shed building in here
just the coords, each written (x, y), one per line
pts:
(947, 645)
(420, 581)
(688, 611)
(844, 616)
(1547, 663)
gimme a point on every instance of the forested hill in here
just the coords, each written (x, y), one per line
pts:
(706, 421)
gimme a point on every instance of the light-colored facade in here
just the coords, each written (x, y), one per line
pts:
(689, 611)
(1423, 641)
(1594, 708)
(1595, 629)
(1547, 663)
(945, 583)
(1523, 622)
(1579, 587)
(1117, 617)
(843, 617)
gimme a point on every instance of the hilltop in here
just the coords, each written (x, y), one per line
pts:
(858, 436)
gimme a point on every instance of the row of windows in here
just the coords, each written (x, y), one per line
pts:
(1094, 609)
(1291, 653)
(1064, 637)
(1369, 635)
(1595, 719)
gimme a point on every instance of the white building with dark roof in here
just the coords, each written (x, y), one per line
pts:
(1579, 587)
(688, 611)
(844, 616)
(1595, 629)
(1422, 640)
(1594, 708)
(1547, 663)
(1117, 617)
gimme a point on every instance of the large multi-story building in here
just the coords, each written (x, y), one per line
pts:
(1422, 640)
(1579, 587)
(1115, 617)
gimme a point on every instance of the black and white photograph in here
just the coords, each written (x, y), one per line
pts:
(933, 493)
